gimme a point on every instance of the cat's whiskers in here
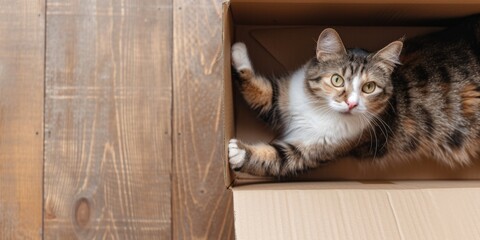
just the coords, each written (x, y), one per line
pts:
(383, 127)
(383, 123)
(372, 127)
(372, 137)
(362, 119)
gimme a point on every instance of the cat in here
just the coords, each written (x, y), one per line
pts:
(409, 100)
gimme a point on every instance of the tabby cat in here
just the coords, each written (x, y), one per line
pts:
(388, 106)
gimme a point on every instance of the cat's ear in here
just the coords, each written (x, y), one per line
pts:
(388, 57)
(329, 45)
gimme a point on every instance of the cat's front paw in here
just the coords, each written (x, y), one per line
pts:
(240, 58)
(236, 155)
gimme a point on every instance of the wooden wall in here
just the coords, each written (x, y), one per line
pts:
(110, 120)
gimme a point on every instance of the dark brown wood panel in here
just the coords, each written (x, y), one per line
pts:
(22, 44)
(201, 205)
(108, 119)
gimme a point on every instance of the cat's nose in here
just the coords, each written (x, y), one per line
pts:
(351, 105)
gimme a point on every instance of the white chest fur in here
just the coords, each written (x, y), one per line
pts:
(310, 124)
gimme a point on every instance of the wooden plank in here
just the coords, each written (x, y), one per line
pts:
(22, 39)
(108, 128)
(201, 205)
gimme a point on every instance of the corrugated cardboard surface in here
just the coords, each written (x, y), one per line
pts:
(353, 210)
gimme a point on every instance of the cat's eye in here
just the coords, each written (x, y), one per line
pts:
(337, 81)
(369, 87)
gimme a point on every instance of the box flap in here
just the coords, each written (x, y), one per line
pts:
(354, 210)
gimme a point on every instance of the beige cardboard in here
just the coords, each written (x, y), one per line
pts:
(352, 210)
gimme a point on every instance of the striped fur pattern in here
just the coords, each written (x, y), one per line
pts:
(426, 106)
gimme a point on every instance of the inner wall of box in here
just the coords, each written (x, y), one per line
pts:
(279, 49)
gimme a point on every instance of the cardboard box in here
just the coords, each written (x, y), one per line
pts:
(345, 200)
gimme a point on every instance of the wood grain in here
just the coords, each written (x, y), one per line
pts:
(108, 119)
(22, 35)
(201, 205)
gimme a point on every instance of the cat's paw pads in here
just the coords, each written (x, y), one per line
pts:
(240, 58)
(236, 155)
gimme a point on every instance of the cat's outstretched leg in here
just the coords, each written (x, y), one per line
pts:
(273, 159)
(256, 90)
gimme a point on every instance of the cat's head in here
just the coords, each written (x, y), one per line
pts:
(352, 82)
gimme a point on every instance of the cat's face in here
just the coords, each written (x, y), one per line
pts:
(350, 86)
(351, 82)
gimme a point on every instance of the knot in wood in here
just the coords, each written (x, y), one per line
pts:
(82, 212)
